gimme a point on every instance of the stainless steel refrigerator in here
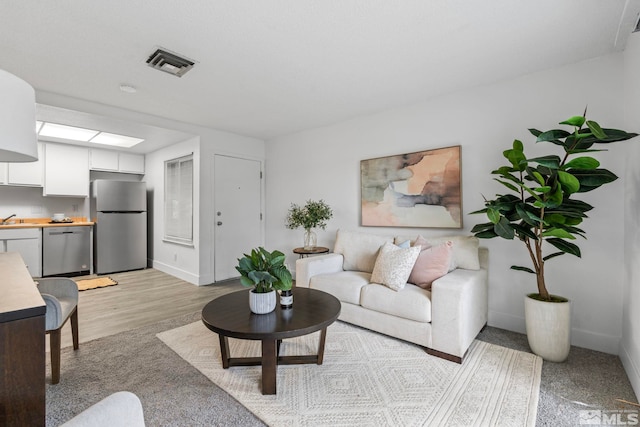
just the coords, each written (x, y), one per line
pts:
(120, 211)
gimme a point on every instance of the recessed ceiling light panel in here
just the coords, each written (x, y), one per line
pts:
(116, 140)
(73, 133)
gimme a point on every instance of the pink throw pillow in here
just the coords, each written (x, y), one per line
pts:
(432, 263)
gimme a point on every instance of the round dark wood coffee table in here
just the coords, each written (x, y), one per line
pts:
(229, 316)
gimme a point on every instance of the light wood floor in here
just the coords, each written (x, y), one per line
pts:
(140, 298)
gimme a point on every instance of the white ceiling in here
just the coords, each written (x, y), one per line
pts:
(266, 68)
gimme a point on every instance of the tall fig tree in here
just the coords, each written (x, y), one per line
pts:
(542, 208)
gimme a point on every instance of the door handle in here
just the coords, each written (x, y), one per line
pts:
(219, 222)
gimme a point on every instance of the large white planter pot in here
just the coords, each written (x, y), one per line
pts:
(262, 303)
(548, 328)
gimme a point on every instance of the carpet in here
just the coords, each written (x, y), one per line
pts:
(99, 282)
(371, 379)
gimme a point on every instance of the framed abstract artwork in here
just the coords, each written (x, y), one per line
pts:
(420, 189)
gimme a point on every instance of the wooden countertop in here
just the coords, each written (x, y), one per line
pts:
(20, 296)
(45, 223)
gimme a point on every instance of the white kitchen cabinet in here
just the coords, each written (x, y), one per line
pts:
(28, 173)
(115, 161)
(105, 160)
(27, 242)
(131, 163)
(66, 170)
(3, 172)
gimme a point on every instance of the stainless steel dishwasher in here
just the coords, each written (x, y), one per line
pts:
(65, 250)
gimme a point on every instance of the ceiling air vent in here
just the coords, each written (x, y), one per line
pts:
(168, 62)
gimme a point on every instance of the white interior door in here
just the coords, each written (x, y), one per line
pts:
(238, 212)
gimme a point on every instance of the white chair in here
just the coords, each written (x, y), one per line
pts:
(61, 296)
(119, 409)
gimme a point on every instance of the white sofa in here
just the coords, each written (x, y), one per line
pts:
(445, 319)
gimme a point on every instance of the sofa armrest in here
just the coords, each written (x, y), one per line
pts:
(459, 304)
(308, 267)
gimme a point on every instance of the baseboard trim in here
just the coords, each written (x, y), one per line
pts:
(630, 367)
(176, 272)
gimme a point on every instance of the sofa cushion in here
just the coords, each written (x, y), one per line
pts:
(345, 285)
(393, 265)
(359, 250)
(411, 302)
(464, 253)
(432, 263)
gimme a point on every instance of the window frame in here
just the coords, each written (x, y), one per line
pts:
(174, 218)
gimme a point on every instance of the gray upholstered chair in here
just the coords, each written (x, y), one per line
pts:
(119, 409)
(61, 296)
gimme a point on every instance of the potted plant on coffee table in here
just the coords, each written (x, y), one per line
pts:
(311, 215)
(542, 211)
(265, 272)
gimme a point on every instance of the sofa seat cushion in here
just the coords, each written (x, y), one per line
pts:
(345, 285)
(411, 302)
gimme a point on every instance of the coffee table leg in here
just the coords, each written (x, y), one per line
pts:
(224, 351)
(269, 366)
(323, 338)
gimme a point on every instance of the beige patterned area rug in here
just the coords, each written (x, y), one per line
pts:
(368, 379)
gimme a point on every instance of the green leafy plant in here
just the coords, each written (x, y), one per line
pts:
(311, 215)
(542, 205)
(264, 271)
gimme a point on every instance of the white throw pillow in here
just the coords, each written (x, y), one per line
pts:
(393, 265)
(359, 250)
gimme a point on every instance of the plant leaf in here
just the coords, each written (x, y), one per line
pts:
(552, 162)
(596, 130)
(558, 232)
(503, 229)
(508, 185)
(493, 215)
(583, 162)
(569, 182)
(552, 135)
(488, 234)
(593, 178)
(553, 255)
(482, 227)
(576, 121)
(519, 268)
(564, 246)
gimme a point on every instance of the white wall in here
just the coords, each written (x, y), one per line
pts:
(630, 345)
(28, 202)
(324, 163)
(196, 264)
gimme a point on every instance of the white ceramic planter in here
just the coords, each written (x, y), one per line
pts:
(548, 328)
(262, 303)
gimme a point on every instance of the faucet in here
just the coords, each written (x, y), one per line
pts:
(7, 218)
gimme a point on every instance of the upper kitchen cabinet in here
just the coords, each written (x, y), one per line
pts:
(66, 170)
(24, 174)
(30, 173)
(115, 161)
(131, 163)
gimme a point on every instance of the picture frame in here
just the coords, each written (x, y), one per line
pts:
(420, 189)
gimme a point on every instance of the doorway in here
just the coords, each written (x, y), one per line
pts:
(238, 212)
